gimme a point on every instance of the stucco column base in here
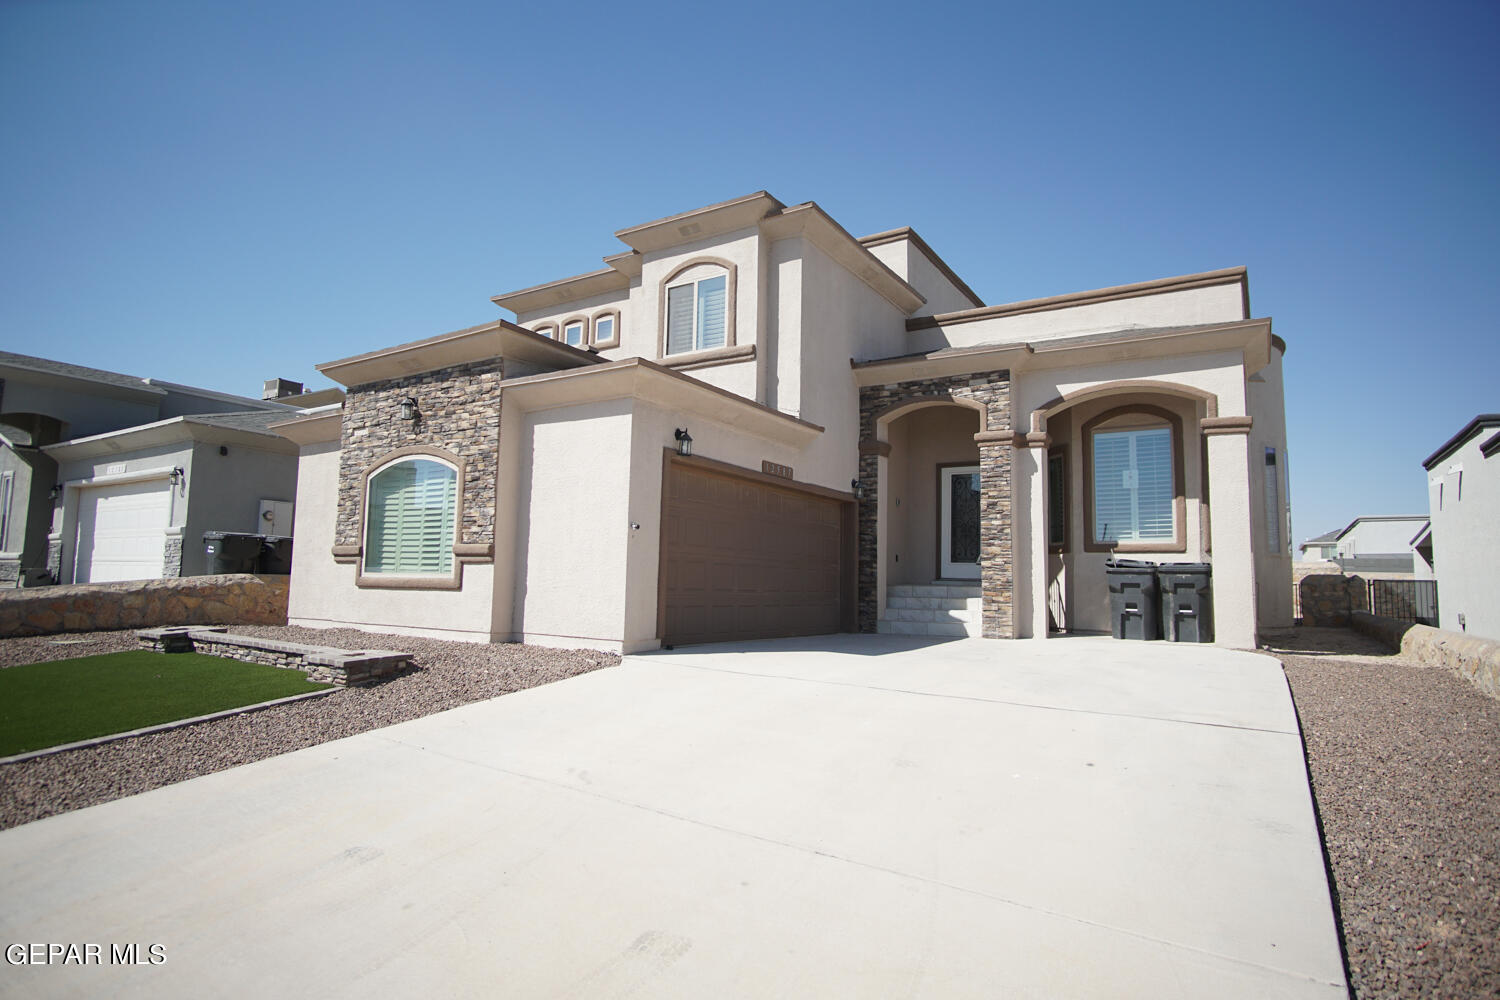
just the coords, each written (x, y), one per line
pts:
(1230, 533)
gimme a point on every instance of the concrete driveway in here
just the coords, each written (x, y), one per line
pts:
(855, 816)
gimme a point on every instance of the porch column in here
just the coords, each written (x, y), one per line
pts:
(1231, 530)
(1036, 527)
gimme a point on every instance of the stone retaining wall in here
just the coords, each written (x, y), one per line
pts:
(326, 664)
(237, 599)
(1329, 600)
(1476, 659)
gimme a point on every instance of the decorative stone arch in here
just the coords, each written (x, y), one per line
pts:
(1208, 400)
(730, 269)
(883, 418)
(988, 394)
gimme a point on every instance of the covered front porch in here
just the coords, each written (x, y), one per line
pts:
(1000, 481)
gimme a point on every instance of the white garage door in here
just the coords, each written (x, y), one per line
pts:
(122, 531)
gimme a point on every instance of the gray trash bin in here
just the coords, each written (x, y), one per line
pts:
(1133, 612)
(276, 554)
(1187, 613)
(231, 551)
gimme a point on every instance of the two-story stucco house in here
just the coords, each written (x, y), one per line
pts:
(750, 423)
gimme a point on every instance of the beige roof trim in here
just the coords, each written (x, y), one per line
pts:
(564, 290)
(627, 263)
(1252, 337)
(909, 234)
(711, 220)
(646, 380)
(173, 430)
(312, 429)
(1161, 286)
(809, 220)
(476, 343)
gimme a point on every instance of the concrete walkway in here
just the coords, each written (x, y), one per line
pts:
(856, 816)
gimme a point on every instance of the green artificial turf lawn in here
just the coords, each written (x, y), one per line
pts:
(47, 704)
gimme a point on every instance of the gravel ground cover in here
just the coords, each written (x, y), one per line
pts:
(1404, 764)
(448, 674)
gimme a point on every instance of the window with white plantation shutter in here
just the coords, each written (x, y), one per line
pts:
(1133, 488)
(410, 518)
(697, 315)
(679, 319)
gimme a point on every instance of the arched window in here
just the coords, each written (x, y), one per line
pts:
(697, 307)
(410, 518)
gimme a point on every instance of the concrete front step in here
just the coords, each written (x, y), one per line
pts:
(938, 603)
(948, 590)
(955, 629)
(936, 615)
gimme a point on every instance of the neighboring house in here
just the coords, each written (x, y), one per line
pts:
(106, 476)
(1322, 548)
(1370, 544)
(872, 448)
(1462, 547)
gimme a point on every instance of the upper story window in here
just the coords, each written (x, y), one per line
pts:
(606, 330)
(697, 314)
(548, 331)
(411, 518)
(1134, 490)
(575, 333)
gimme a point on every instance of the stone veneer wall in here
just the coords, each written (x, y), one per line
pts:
(460, 413)
(1330, 600)
(997, 573)
(238, 599)
(171, 563)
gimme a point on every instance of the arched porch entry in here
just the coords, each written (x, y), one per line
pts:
(1128, 469)
(934, 538)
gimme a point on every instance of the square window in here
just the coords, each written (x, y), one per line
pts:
(573, 334)
(1133, 487)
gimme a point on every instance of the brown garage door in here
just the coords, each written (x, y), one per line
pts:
(743, 558)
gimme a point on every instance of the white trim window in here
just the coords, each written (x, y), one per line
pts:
(605, 328)
(575, 334)
(1133, 488)
(410, 517)
(696, 314)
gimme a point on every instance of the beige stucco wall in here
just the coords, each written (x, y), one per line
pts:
(920, 442)
(1273, 565)
(1465, 542)
(1215, 304)
(572, 524)
(324, 594)
(919, 271)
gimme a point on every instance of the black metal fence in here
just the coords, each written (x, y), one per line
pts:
(1405, 600)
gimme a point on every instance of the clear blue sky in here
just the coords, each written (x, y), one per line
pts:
(219, 193)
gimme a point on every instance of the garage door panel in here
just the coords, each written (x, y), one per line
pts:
(122, 531)
(743, 559)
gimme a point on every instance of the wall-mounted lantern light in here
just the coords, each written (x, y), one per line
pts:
(409, 409)
(857, 488)
(178, 475)
(56, 491)
(684, 442)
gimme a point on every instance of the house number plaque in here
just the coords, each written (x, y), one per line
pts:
(771, 468)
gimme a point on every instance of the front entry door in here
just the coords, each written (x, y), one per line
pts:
(959, 511)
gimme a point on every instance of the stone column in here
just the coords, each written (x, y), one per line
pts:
(1231, 531)
(996, 541)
